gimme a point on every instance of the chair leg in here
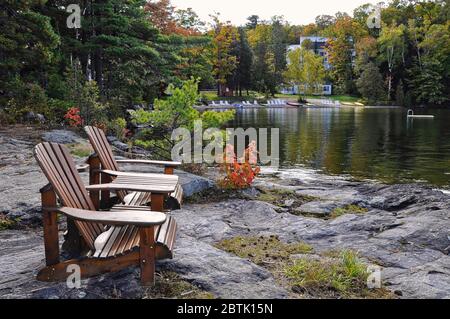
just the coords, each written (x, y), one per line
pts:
(147, 255)
(73, 242)
(168, 170)
(105, 195)
(157, 202)
(50, 223)
(94, 178)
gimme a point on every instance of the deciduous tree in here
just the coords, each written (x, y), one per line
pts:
(225, 37)
(305, 69)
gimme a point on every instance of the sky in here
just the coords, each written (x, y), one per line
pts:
(294, 11)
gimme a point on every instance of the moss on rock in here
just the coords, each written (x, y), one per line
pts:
(331, 274)
(284, 198)
(349, 209)
(171, 285)
(263, 250)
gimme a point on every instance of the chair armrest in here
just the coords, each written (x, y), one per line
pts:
(125, 217)
(162, 163)
(156, 176)
(82, 168)
(155, 188)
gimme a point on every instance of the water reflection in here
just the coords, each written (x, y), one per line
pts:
(373, 143)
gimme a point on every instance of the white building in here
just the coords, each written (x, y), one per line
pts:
(318, 45)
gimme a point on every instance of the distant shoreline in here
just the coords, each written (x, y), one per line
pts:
(231, 107)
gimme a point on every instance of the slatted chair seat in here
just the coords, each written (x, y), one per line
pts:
(119, 240)
(140, 198)
(109, 164)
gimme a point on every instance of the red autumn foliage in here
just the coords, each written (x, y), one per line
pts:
(73, 117)
(239, 173)
(162, 17)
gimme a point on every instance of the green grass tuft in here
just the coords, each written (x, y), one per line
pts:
(80, 150)
(349, 209)
(338, 274)
(333, 274)
(6, 223)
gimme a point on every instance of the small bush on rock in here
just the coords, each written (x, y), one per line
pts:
(73, 117)
(239, 173)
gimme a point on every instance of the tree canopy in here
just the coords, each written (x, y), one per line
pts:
(132, 50)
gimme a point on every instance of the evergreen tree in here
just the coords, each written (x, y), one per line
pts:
(118, 48)
(278, 45)
(370, 83)
(264, 70)
(27, 44)
(253, 21)
(245, 63)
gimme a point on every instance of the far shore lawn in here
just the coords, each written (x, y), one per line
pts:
(212, 96)
(340, 98)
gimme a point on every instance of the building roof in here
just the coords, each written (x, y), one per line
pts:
(313, 39)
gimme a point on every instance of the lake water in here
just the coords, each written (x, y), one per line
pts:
(366, 143)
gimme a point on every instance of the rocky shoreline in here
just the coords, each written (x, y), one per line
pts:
(404, 229)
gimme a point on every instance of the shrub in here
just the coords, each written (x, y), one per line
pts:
(4, 118)
(204, 99)
(26, 97)
(118, 127)
(73, 117)
(140, 117)
(239, 173)
(92, 110)
(101, 125)
(58, 109)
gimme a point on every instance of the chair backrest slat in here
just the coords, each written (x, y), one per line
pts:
(101, 146)
(60, 170)
(100, 143)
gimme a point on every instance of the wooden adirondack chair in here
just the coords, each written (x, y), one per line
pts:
(114, 239)
(104, 163)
